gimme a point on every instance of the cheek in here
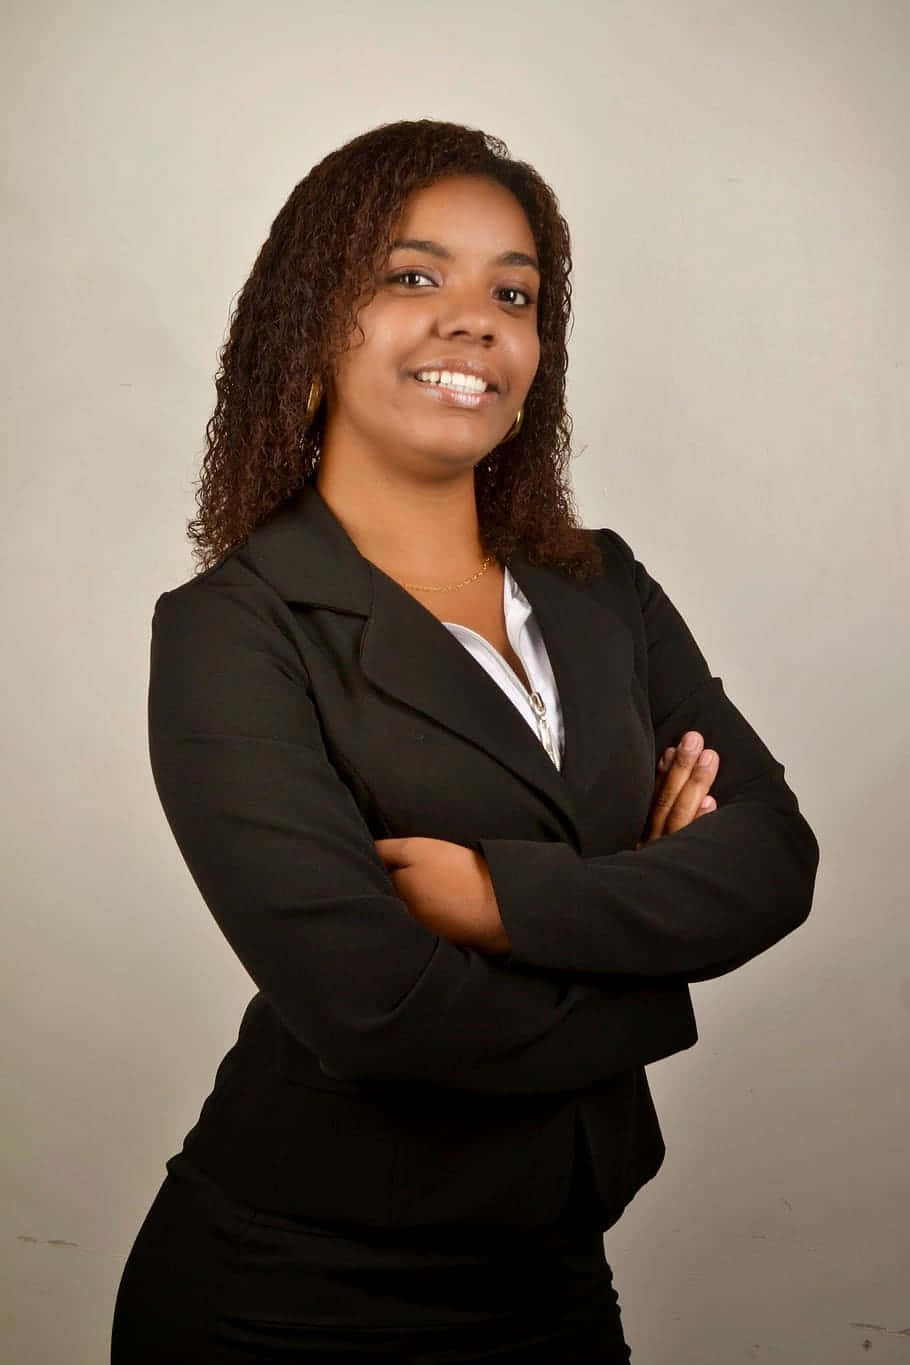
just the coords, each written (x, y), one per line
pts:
(394, 332)
(382, 353)
(358, 370)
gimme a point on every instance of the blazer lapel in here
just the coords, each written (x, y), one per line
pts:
(591, 652)
(305, 552)
(411, 655)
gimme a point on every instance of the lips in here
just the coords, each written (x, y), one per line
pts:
(454, 396)
(465, 374)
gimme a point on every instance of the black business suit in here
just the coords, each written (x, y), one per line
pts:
(303, 704)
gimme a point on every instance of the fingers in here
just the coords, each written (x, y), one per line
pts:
(708, 804)
(698, 765)
(684, 775)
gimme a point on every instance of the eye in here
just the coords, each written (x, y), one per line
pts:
(407, 276)
(524, 299)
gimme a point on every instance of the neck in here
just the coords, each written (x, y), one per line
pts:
(415, 528)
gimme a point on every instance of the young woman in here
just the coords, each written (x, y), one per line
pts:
(404, 725)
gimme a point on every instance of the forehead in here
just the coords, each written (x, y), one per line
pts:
(467, 213)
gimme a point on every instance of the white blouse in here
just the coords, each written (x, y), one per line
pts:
(540, 708)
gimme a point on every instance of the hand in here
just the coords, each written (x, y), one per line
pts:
(448, 888)
(680, 795)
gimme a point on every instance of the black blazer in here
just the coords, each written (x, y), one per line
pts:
(303, 704)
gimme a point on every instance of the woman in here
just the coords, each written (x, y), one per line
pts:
(403, 725)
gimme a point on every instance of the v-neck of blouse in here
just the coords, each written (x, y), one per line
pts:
(544, 715)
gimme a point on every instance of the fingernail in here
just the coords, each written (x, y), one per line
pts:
(689, 741)
(705, 758)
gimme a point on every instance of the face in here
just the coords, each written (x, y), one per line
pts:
(450, 342)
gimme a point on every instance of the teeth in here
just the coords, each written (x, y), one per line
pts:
(453, 379)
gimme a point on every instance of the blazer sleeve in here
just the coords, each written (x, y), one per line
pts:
(287, 865)
(694, 904)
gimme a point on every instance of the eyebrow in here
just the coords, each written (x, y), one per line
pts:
(436, 249)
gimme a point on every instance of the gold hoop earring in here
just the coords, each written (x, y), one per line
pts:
(515, 428)
(314, 398)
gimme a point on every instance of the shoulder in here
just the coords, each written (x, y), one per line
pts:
(623, 568)
(231, 580)
(230, 571)
(616, 552)
(224, 657)
(225, 606)
(623, 577)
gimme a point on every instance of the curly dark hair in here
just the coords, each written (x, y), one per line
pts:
(298, 310)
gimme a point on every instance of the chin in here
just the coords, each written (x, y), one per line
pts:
(448, 448)
(468, 457)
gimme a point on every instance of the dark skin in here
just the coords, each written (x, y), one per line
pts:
(398, 455)
(397, 469)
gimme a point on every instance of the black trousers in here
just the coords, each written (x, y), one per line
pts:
(210, 1280)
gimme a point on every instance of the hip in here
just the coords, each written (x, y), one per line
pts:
(212, 1278)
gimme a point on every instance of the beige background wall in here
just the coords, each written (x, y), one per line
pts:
(735, 176)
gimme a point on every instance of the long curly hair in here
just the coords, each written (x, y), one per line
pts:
(298, 310)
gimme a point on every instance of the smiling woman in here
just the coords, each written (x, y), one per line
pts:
(404, 724)
(381, 246)
(447, 345)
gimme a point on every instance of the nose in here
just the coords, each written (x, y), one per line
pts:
(467, 312)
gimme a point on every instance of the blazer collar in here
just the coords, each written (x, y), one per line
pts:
(309, 558)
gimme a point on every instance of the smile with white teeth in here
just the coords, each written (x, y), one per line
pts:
(452, 379)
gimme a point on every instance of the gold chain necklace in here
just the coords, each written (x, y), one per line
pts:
(483, 568)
